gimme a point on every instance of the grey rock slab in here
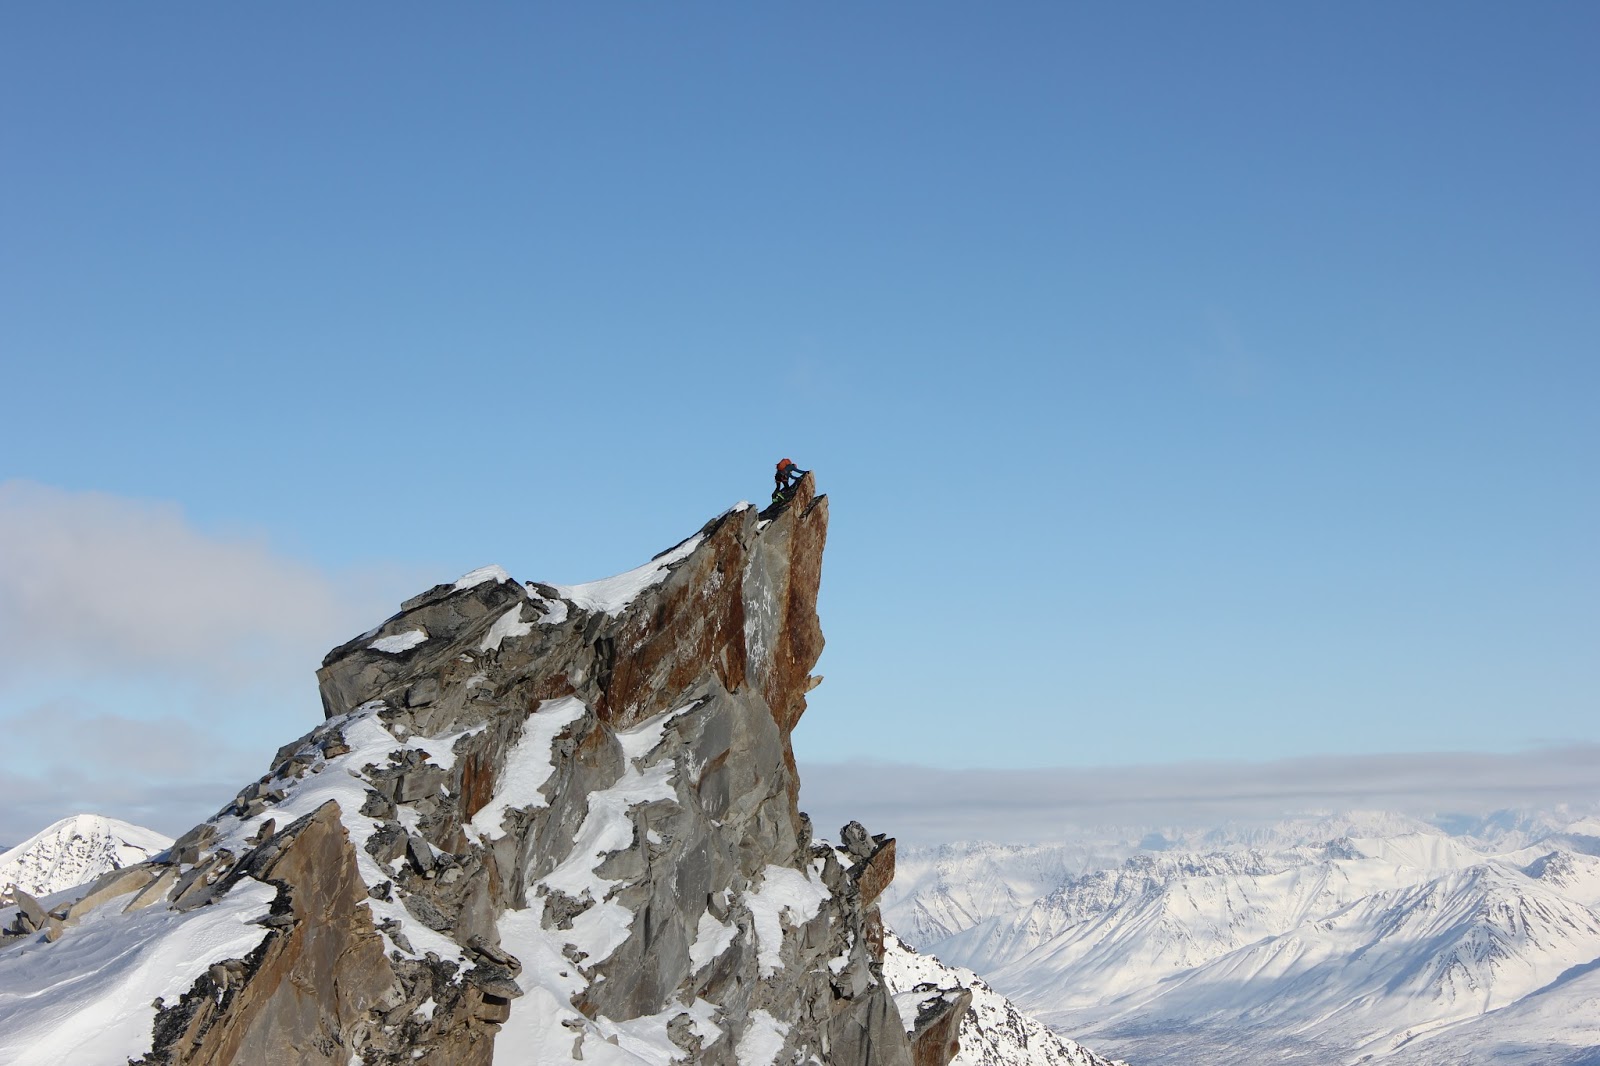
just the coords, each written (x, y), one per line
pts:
(29, 910)
(117, 883)
(154, 892)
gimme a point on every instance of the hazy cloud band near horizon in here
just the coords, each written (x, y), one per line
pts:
(927, 805)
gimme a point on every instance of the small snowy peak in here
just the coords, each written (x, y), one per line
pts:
(482, 575)
(613, 594)
(73, 851)
(1418, 854)
(1587, 826)
(1574, 874)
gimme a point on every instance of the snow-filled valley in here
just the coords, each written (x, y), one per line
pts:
(1367, 937)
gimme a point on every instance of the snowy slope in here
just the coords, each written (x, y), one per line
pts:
(1557, 1026)
(1383, 971)
(75, 850)
(993, 1032)
(940, 891)
(91, 997)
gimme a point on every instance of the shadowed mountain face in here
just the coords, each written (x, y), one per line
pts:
(538, 824)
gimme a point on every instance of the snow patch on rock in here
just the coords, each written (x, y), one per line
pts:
(483, 574)
(400, 643)
(509, 624)
(528, 766)
(763, 1039)
(784, 893)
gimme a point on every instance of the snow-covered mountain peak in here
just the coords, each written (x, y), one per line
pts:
(1574, 874)
(74, 850)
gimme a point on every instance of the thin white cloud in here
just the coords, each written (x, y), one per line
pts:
(93, 584)
(148, 669)
(923, 805)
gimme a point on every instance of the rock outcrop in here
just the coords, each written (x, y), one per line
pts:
(544, 824)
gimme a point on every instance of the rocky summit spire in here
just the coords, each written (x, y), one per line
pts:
(538, 824)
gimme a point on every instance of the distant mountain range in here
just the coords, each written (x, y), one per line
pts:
(1316, 940)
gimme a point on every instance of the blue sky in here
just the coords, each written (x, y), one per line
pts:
(1190, 381)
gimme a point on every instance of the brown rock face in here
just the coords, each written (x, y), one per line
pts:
(696, 626)
(540, 819)
(937, 1037)
(698, 621)
(876, 872)
(320, 974)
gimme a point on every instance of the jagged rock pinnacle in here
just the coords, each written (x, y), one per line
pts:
(549, 823)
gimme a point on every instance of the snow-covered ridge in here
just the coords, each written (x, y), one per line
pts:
(609, 595)
(612, 595)
(92, 996)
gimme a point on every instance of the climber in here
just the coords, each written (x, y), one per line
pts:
(787, 476)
